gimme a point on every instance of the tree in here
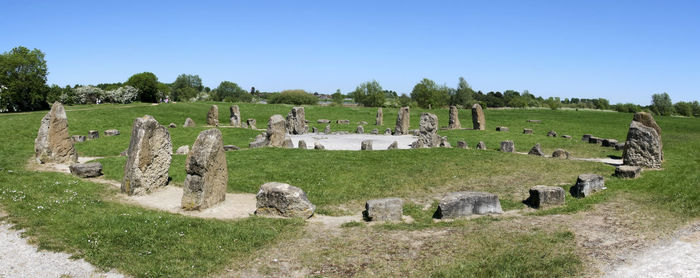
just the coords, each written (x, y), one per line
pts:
(661, 104)
(426, 93)
(553, 102)
(296, 97)
(338, 97)
(229, 91)
(684, 108)
(147, 85)
(186, 86)
(369, 94)
(23, 80)
(464, 95)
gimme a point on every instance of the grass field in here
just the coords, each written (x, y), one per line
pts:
(84, 219)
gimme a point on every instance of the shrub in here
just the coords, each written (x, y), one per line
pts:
(88, 94)
(125, 94)
(296, 97)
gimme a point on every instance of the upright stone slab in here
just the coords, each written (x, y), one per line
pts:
(360, 130)
(53, 143)
(643, 146)
(213, 116)
(366, 145)
(207, 172)
(481, 145)
(545, 196)
(296, 121)
(188, 123)
(403, 121)
(478, 119)
(302, 144)
(235, 118)
(454, 118)
(587, 184)
(428, 137)
(380, 117)
(508, 146)
(387, 209)
(467, 203)
(281, 199)
(251, 123)
(148, 157)
(230, 148)
(394, 145)
(327, 129)
(276, 131)
(536, 150)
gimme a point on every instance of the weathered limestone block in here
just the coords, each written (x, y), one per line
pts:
(587, 184)
(552, 133)
(595, 140)
(323, 121)
(360, 130)
(93, 134)
(111, 132)
(188, 123)
(235, 118)
(566, 136)
(628, 172)
(78, 138)
(609, 142)
(302, 144)
(276, 131)
(536, 150)
(183, 149)
(478, 119)
(318, 146)
(560, 153)
(380, 117)
(394, 145)
(228, 148)
(86, 170)
(427, 136)
(251, 123)
(544, 196)
(527, 131)
(207, 172)
(281, 199)
(148, 159)
(466, 203)
(461, 144)
(402, 121)
(502, 128)
(53, 143)
(213, 116)
(296, 121)
(172, 125)
(535, 121)
(387, 131)
(362, 123)
(586, 137)
(366, 145)
(620, 146)
(508, 146)
(481, 145)
(454, 118)
(643, 146)
(387, 209)
(343, 122)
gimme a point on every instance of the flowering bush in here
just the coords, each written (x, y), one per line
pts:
(88, 94)
(125, 94)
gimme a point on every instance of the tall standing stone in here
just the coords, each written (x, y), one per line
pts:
(403, 121)
(296, 121)
(428, 137)
(235, 118)
(207, 172)
(478, 119)
(148, 157)
(380, 116)
(53, 143)
(454, 118)
(276, 131)
(213, 116)
(643, 146)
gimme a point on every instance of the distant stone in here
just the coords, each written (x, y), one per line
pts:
(403, 121)
(586, 137)
(587, 184)
(566, 136)
(362, 123)
(508, 146)
(620, 146)
(467, 203)
(207, 172)
(415, 132)
(296, 121)
(228, 148)
(478, 119)
(327, 130)
(375, 131)
(552, 133)
(380, 117)
(366, 145)
(444, 143)
(536, 150)
(394, 145)
(53, 142)
(93, 134)
(318, 146)
(302, 144)
(480, 145)
(87, 170)
(148, 159)
(281, 199)
(172, 125)
(388, 209)
(609, 142)
(628, 172)
(427, 135)
(288, 143)
(461, 144)
(111, 132)
(387, 131)
(454, 118)
(323, 121)
(251, 123)
(235, 118)
(545, 196)
(78, 138)
(343, 122)
(560, 153)
(535, 121)
(502, 128)
(595, 140)
(188, 123)
(527, 131)
(183, 149)
(213, 116)
(360, 129)
(314, 130)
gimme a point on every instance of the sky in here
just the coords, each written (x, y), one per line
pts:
(623, 51)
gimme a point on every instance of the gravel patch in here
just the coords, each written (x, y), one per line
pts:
(352, 142)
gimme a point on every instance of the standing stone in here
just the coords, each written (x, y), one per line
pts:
(478, 119)
(647, 120)
(388, 209)
(53, 143)
(467, 203)
(207, 172)
(281, 199)
(188, 123)
(327, 130)
(172, 125)
(314, 130)
(93, 134)
(360, 129)
(296, 121)
(527, 131)
(276, 131)
(586, 137)
(288, 143)
(86, 170)
(643, 146)
(259, 141)
(235, 118)
(302, 144)
(148, 159)
(508, 146)
(183, 149)
(112, 132)
(587, 184)
(394, 145)
(481, 145)
(461, 144)
(454, 118)
(403, 121)
(366, 145)
(560, 153)
(502, 128)
(375, 131)
(380, 117)
(78, 138)
(251, 123)
(536, 150)
(428, 136)
(213, 116)
(544, 196)
(552, 133)
(628, 172)
(318, 146)
(444, 143)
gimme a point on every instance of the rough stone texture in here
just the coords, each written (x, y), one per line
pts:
(188, 123)
(454, 118)
(566, 136)
(444, 143)
(343, 122)
(428, 136)
(259, 142)
(296, 121)
(560, 153)
(508, 146)
(235, 118)
(643, 146)
(276, 131)
(461, 144)
(281, 199)
(628, 172)
(527, 131)
(466, 203)
(366, 145)
(374, 131)
(647, 120)
(213, 116)
(552, 133)
(314, 130)
(609, 142)
(403, 121)
(327, 129)
(380, 117)
(302, 144)
(595, 140)
(544, 196)
(149, 156)
(78, 138)
(93, 134)
(323, 121)
(478, 119)
(360, 130)
(172, 125)
(111, 132)
(86, 170)
(535, 121)
(251, 123)
(415, 132)
(288, 143)
(536, 150)
(387, 209)
(124, 152)
(620, 146)
(394, 145)
(183, 149)
(53, 143)
(318, 146)
(481, 145)
(586, 137)
(587, 184)
(228, 148)
(502, 128)
(207, 173)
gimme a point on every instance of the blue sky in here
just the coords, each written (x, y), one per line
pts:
(624, 51)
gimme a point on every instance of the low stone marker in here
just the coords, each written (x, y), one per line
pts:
(380, 117)
(595, 140)
(586, 137)
(394, 145)
(535, 121)
(461, 144)
(296, 121)
(478, 119)
(111, 132)
(467, 203)
(628, 172)
(188, 123)
(444, 143)
(545, 196)
(609, 142)
(172, 125)
(502, 128)
(318, 146)
(552, 133)
(288, 143)
(561, 153)
(207, 172)
(387, 209)
(87, 170)
(314, 130)
(93, 134)
(454, 118)
(235, 117)
(527, 131)
(213, 116)
(536, 150)
(481, 145)
(587, 184)
(281, 199)
(148, 158)
(323, 121)
(183, 149)
(302, 144)
(566, 136)
(274, 136)
(78, 138)
(508, 146)
(387, 131)
(403, 120)
(366, 145)
(327, 130)
(251, 123)
(228, 148)
(374, 131)
(343, 122)
(360, 130)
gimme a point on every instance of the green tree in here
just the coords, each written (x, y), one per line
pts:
(427, 93)
(296, 97)
(23, 80)
(338, 97)
(553, 103)
(186, 86)
(464, 95)
(229, 91)
(684, 108)
(661, 104)
(696, 108)
(369, 94)
(147, 85)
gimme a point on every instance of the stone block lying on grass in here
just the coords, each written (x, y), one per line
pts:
(527, 131)
(111, 132)
(561, 153)
(183, 149)
(543, 196)
(552, 133)
(93, 134)
(86, 170)
(508, 146)
(628, 172)
(78, 138)
(366, 145)
(229, 148)
(536, 150)
(461, 144)
(587, 184)
(388, 209)
(609, 142)
(481, 145)
(281, 199)
(466, 203)
(188, 123)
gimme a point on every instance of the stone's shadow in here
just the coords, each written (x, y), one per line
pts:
(438, 213)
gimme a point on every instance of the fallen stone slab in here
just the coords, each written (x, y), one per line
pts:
(86, 170)
(586, 137)
(362, 123)
(561, 153)
(78, 138)
(536, 150)
(628, 172)
(343, 122)
(609, 142)
(535, 121)
(387, 209)
(527, 131)
(595, 140)
(587, 184)
(508, 146)
(467, 203)
(502, 128)
(93, 134)
(545, 196)
(281, 199)
(323, 121)
(228, 148)
(111, 132)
